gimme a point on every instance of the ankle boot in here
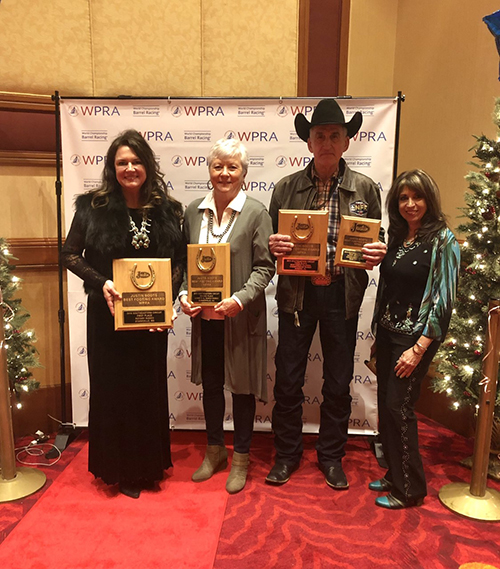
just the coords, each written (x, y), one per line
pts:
(215, 460)
(238, 475)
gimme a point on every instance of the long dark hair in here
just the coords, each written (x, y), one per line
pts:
(153, 191)
(424, 186)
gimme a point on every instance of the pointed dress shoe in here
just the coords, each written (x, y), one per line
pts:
(280, 473)
(130, 489)
(392, 503)
(335, 476)
(381, 485)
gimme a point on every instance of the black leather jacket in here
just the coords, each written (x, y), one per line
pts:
(358, 195)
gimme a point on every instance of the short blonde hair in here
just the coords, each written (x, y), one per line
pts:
(229, 148)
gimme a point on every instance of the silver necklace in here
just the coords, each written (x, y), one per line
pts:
(140, 237)
(211, 226)
(404, 248)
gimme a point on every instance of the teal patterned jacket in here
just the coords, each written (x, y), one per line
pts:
(440, 290)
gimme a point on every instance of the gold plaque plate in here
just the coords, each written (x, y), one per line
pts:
(146, 289)
(354, 233)
(209, 273)
(308, 230)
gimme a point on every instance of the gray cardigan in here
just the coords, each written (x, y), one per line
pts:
(252, 267)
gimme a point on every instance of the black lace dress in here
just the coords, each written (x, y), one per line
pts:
(129, 438)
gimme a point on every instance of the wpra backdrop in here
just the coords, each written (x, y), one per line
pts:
(181, 132)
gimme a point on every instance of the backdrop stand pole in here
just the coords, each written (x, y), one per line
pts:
(14, 484)
(477, 501)
(66, 432)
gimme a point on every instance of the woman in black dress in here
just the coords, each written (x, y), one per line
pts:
(130, 215)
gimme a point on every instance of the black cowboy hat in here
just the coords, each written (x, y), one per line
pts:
(327, 111)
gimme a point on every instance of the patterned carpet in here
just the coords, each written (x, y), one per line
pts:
(305, 524)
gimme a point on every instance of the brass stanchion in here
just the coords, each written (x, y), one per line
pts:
(477, 501)
(21, 482)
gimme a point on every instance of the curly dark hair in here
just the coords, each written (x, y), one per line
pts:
(153, 191)
(424, 186)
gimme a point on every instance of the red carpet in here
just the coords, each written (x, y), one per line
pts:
(305, 524)
(80, 522)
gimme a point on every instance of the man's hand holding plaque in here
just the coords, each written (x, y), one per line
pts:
(356, 233)
(301, 250)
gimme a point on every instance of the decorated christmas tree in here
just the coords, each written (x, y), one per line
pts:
(461, 355)
(21, 354)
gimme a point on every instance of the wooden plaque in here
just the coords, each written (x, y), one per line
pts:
(146, 289)
(308, 230)
(354, 233)
(209, 273)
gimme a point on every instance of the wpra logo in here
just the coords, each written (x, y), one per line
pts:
(188, 160)
(96, 111)
(369, 136)
(281, 111)
(157, 135)
(83, 394)
(252, 136)
(294, 161)
(255, 186)
(176, 111)
(304, 109)
(87, 160)
(198, 111)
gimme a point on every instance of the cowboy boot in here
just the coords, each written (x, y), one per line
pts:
(238, 475)
(215, 460)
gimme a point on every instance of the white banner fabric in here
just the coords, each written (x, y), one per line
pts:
(181, 132)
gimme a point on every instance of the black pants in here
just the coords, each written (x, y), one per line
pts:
(325, 305)
(397, 420)
(214, 404)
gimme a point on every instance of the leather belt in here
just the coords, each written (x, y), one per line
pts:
(326, 280)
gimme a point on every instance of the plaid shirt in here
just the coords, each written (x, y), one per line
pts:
(327, 199)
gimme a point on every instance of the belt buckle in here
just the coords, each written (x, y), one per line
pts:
(321, 280)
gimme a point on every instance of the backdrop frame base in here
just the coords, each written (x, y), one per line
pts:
(457, 497)
(26, 481)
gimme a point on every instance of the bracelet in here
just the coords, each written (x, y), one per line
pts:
(419, 354)
(420, 346)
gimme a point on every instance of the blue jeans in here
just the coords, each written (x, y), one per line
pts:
(325, 305)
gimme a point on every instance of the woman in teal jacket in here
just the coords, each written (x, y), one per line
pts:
(417, 288)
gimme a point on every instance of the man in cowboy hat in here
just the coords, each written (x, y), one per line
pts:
(333, 301)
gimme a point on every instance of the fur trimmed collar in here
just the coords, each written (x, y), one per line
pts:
(108, 227)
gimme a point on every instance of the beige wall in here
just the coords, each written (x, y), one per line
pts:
(445, 61)
(27, 202)
(149, 47)
(372, 48)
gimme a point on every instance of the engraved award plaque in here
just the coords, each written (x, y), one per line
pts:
(146, 289)
(309, 232)
(209, 273)
(354, 232)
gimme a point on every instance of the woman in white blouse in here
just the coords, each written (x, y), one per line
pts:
(229, 339)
